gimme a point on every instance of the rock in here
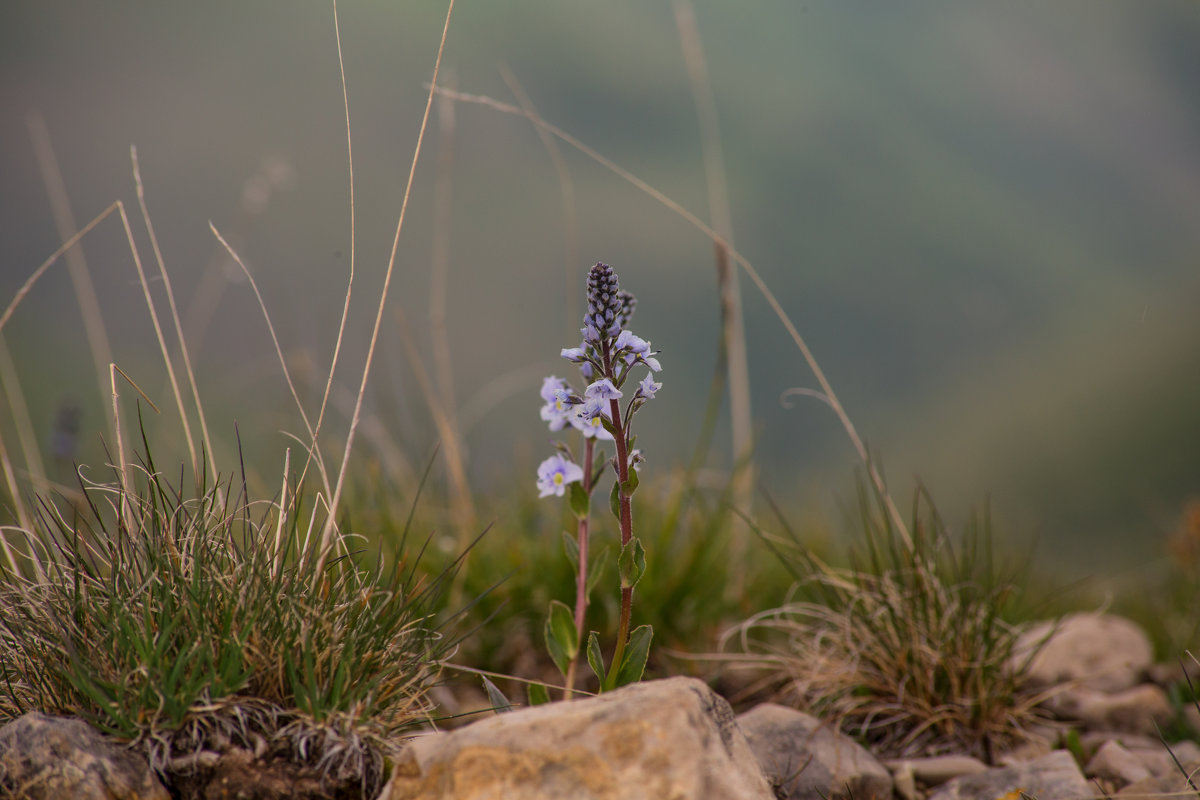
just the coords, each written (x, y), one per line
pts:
(1140, 710)
(929, 772)
(1053, 776)
(806, 759)
(672, 738)
(1096, 651)
(56, 758)
(1161, 762)
(1164, 786)
(1114, 763)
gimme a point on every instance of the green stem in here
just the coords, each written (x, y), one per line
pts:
(619, 435)
(581, 594)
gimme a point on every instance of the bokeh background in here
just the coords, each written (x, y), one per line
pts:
(984, 218)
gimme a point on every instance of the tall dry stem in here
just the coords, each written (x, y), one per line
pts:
(733, 327)
(327, 532)
(77, 268)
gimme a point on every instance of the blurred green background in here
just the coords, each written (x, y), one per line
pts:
(984, 217)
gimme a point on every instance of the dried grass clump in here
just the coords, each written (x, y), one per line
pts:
(906, 648)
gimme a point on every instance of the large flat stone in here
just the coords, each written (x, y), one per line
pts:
(673, 739)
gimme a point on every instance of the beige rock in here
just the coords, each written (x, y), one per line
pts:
(1113, 762)
(936, 770)
(806, 759)
(1097, 651)
(1140, 710)
(55, 758)
(1052, 776)
(673, 738)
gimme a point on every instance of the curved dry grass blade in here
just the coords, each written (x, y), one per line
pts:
(287, 374)
(851, 432)
(45, 265)
(327, 533)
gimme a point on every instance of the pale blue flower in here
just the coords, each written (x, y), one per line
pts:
(589, 420)
(602, 389)
(550, 386)
(648, 387)
(555, 473)
(575, 354)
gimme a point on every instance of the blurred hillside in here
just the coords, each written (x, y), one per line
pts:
(982, 216)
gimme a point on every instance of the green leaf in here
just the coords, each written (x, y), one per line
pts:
(636, 654)
(631, 484)
(580, 502)
(631, 565)
(538, 694)
(614, 500)
(596, 567)
(500, 703)
(595, 657)
(561, 639)
(571, 546)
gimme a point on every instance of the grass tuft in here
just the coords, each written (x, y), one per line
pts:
(197, 625)
(906, 649)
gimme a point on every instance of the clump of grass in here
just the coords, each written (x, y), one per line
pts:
(197, 624)
(906, 648)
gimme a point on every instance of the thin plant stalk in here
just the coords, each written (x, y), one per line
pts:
(733, 327)
(464, 511)
(77, 267)
(581, 579)
(463, 508)
(826, 388)
(22, 422)
(327, 532)
(183, 350)
(626, 513)
(314, 451)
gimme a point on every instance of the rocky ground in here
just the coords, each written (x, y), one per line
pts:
(677, 739)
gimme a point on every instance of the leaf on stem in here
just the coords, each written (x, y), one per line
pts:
(561, 639)
(571, 546)
(636, 655)
(580, 501)
(500, 703)
(595, 657)
(631, 565)
(596, 568)
(538, 694)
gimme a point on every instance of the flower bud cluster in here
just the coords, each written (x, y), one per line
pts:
(606, 355)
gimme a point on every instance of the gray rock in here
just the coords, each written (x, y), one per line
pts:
(1140, 710)
(54, 758)
(1114, 763)
(806, 759)
(1161, 762)
(1053, 776)
(1097, 651)
(929, 772)
(673, 738)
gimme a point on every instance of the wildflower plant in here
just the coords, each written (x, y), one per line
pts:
(607, 358)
